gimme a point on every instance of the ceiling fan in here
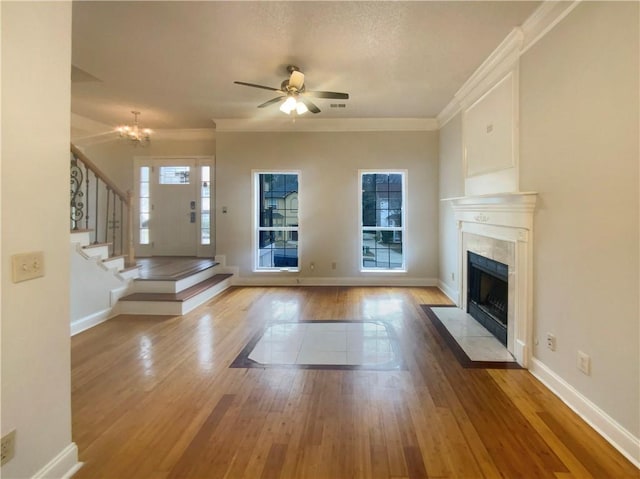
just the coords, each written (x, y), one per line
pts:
(294, 95)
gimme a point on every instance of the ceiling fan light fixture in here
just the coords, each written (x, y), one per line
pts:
(289, 105)
(301, 108)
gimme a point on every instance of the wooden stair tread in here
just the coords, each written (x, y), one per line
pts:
(129, 268)
(182, 295)
(96, 245)
(80, 230)
(111, 258)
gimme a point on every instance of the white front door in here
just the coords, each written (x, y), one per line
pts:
(174, 199)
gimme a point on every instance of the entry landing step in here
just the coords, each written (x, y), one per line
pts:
(175, 303)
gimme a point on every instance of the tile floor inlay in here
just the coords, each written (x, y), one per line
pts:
(324, 345)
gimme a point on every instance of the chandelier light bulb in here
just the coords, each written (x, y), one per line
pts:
(135, 134)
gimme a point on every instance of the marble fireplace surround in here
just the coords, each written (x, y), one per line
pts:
(500, 227)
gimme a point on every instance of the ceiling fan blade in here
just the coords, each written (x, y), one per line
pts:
(256, 86)
(272, 101)
(309, 104)
(296, 80)
(328, 94)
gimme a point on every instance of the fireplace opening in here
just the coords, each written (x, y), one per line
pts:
(487, 294)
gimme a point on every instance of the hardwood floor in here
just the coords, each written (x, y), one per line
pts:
(154, 398)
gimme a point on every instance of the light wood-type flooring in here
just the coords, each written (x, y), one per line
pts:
(153, 397)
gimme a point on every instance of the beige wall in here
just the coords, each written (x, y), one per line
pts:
(579, 150)
(329, 164)
(115, 157)
(451, 185)
(36, 60)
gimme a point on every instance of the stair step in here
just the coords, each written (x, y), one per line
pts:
(130, 272)
(81, 236)
(183, 295)
(114, 262)
(96, 245)
(179, 283)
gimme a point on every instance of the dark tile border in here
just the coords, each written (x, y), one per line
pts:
(243, 361)
(456, 349)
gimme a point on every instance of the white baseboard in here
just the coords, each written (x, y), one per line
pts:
(90, 321)
(451, 293)
(605, 425)
(274, 280)
(63, 466)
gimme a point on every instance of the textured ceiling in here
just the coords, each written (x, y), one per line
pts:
(176, 61)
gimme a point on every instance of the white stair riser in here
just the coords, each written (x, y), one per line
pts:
(205, 296)
(101, 252)
(130, 274)
(172, 308)
(81, 237)
(114, 264)
(144, 286)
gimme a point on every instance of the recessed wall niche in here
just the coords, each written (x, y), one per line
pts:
(490, 140)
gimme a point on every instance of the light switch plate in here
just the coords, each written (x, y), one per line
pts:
(27, 266)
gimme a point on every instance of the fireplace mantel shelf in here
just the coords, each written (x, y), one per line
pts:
(513, 210)
(525, 197)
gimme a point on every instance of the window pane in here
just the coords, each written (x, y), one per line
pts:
(206, 173)
(144, 190)
(382, 209)
(144, 205)
(277, 206)
(144, 174)
(206, 204)
(174, 175)
(144, 236)
(144, 220)
(277, 251)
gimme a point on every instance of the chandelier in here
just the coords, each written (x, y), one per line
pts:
(135, 134)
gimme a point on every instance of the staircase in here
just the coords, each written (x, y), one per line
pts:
(97, 281)
(105, 279)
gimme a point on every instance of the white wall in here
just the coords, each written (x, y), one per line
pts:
(36, 391)
(451, 185)
(329, 226)
(579, 150)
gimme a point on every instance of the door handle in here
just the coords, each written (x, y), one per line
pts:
(193, 217)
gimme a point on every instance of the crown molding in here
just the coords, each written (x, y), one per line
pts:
(545, 17)
(326, 124)
(506, 56)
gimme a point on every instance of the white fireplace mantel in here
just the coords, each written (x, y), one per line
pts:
(500, 218)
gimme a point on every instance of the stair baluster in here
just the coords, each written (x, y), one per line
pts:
(94, 213)
(106, 219)
(97, 205)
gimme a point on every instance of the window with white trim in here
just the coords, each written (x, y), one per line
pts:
(145, 205)
(276, 220)
(382, 220)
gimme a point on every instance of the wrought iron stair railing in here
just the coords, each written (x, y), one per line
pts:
(98, 205)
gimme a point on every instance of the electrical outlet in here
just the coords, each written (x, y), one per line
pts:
(551, 342)
(453, 276)
(312, 266)
(584, 363)
(27, 266)
(8, 447)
